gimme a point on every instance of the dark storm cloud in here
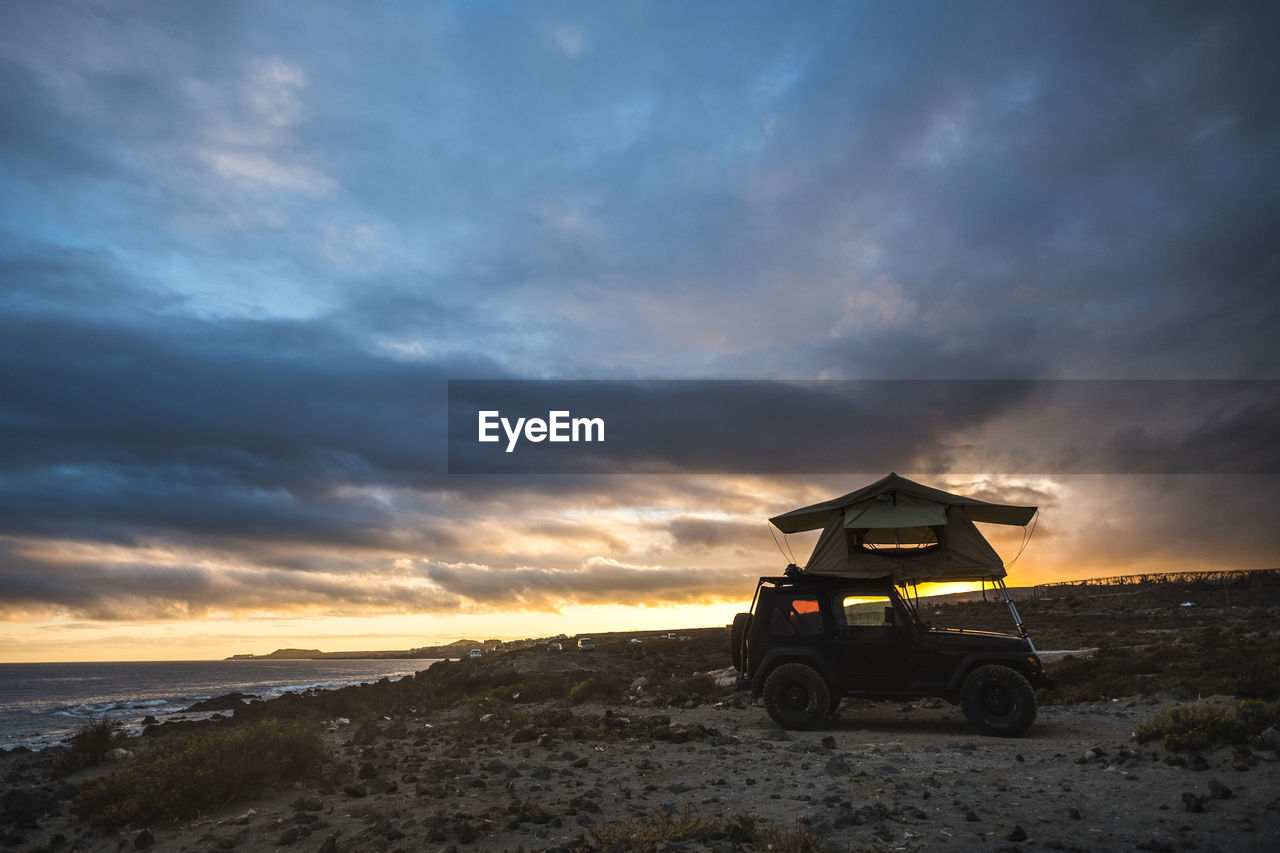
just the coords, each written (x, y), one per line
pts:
(693, 532)
(93, 589)
(115, 427)
(542, 589)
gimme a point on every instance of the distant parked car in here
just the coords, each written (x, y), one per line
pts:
(475, 653)
(553, 648)
(585, 645)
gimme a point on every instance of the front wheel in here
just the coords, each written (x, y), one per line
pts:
(796, 696)
(998, 701)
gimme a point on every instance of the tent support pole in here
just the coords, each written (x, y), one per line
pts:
(1017, 618)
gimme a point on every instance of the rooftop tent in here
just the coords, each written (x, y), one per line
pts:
(897, 527)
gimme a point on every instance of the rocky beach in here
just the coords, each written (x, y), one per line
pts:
(647, 746)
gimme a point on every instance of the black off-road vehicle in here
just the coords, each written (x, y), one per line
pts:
(811, 640)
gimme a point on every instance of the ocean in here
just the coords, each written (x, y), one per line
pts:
(43, 703)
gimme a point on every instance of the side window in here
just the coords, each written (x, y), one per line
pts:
(866, 610)
(796, 617)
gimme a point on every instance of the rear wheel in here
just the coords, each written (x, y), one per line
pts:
(998, 701)
(833, 705)
(796, 696)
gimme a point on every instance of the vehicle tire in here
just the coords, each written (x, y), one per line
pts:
(735, 638)
(998, 701)
(796, 696)
(833, 705)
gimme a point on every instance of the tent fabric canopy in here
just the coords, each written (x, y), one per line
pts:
(931, 532)
(815, 516)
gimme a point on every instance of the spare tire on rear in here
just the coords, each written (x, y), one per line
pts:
(736, 635)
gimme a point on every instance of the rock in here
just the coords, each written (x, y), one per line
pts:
(846, 816)
(1219, 791)
(1271, 737)
(828, 742)
(1091, 755)
(1155, 844)
(289, 836)
(1017, 834)
(464, 831)
(227, 702)
(366, 734)
(308, 804)
(143, 840)
(23, 806)
(396, 730)
(385, 828)
(367, 771)
(836, 766)
(330, 845)
(1073, 813)
(1197, 763)
(1192, 803)
(355, 791)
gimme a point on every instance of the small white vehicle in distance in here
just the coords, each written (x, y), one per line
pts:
(585, 645)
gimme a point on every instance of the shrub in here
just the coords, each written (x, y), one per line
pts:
(1194, 727)
(543, 688)
(200, 773)
(88, 746)
(599, 688)
(662, 828)
(1258, 715)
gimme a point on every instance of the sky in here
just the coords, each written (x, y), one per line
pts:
(244, 247)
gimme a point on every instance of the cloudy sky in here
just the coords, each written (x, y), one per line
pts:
(244, 248)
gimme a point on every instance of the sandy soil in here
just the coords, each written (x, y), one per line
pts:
(881, 776)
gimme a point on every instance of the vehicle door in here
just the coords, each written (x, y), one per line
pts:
(874, 641)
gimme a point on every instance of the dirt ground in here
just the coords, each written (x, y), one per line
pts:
(879, 777)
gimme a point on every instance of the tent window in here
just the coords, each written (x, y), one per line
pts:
(891, 541)
(865, 610)
(796, 617)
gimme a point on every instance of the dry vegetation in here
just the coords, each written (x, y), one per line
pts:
(200, 773)
(1147, 642)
